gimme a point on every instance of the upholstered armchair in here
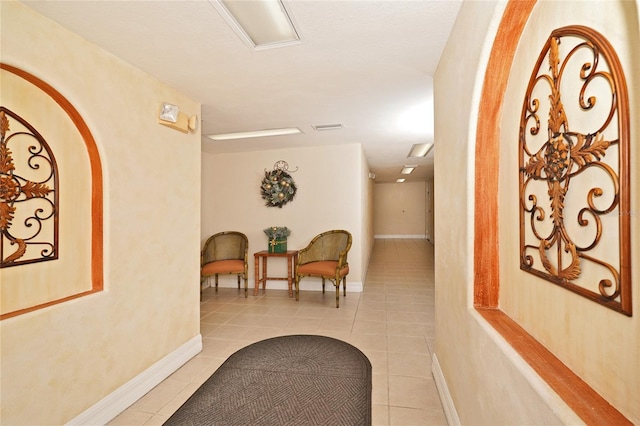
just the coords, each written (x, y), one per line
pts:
(225, 253)
(325, 257)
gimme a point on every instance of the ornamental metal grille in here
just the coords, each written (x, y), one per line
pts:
(28, 194)
(574, 178)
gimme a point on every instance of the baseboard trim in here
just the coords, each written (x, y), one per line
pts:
(443, 390)
(402, 236)
(122, 398)
(306, 285)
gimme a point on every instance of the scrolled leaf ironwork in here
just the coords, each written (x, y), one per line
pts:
(29, 191)
(561, 161)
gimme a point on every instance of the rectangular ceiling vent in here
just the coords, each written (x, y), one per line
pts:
(321, 127)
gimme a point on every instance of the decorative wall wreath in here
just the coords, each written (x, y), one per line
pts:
(277, 187)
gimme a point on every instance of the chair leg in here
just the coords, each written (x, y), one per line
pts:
(322, 285)
(297, 283)
(344, 285)
(238, 282)
(216, 283)
(338, 294)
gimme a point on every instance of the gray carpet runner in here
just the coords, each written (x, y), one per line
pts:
(288, 380)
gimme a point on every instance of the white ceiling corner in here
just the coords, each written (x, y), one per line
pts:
(363, 64)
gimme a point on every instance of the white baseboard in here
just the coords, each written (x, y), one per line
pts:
(122, 398)
(305, 285)
(402, 236)
(443, 390)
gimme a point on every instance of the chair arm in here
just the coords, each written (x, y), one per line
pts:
(342, 260)
(301, 256)
(246, 261)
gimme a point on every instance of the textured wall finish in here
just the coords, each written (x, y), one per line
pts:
(598, 344)
(72, 355)
(77, 268)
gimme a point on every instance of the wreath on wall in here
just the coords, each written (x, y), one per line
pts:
(277, 187)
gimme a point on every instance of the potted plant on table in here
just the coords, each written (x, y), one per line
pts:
(277, 238)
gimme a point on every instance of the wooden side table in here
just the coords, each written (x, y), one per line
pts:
(292, 258)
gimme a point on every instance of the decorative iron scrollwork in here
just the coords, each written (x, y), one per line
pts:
(579, 239)
(28, 195)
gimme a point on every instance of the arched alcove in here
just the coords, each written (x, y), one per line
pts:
(24, 285)
(576, 393)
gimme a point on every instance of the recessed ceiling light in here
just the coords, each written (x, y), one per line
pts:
(407, 169)
(400, 180)
(420, 150)
(260, 24)
(320, 127)
(255, 134)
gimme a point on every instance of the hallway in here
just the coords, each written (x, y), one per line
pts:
(392, 322)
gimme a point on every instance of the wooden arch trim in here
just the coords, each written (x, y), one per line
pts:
(577, 394)
(486, 242)
(97, 280)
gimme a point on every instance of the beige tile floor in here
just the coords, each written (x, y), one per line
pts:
(391, 322)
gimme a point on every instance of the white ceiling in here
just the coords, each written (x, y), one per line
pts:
(365, 64)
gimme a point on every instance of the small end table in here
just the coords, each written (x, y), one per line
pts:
(292, 258)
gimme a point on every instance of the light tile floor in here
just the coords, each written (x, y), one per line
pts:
(392, 322)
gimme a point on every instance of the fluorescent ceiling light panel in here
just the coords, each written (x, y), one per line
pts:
(420, 150)
(261, 24)
(255, 134)
(400, 180)
(406, 170)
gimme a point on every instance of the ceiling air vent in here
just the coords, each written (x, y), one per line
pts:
(321, 127)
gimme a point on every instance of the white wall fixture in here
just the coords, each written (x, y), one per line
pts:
(169, 112)
(170, 115)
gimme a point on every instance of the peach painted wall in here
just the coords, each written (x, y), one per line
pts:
(430, 211)
(400, 210)
(487, 381)
(59, 361)
(70, 274)
(368, 197)
(599, 345)
(332, 194)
